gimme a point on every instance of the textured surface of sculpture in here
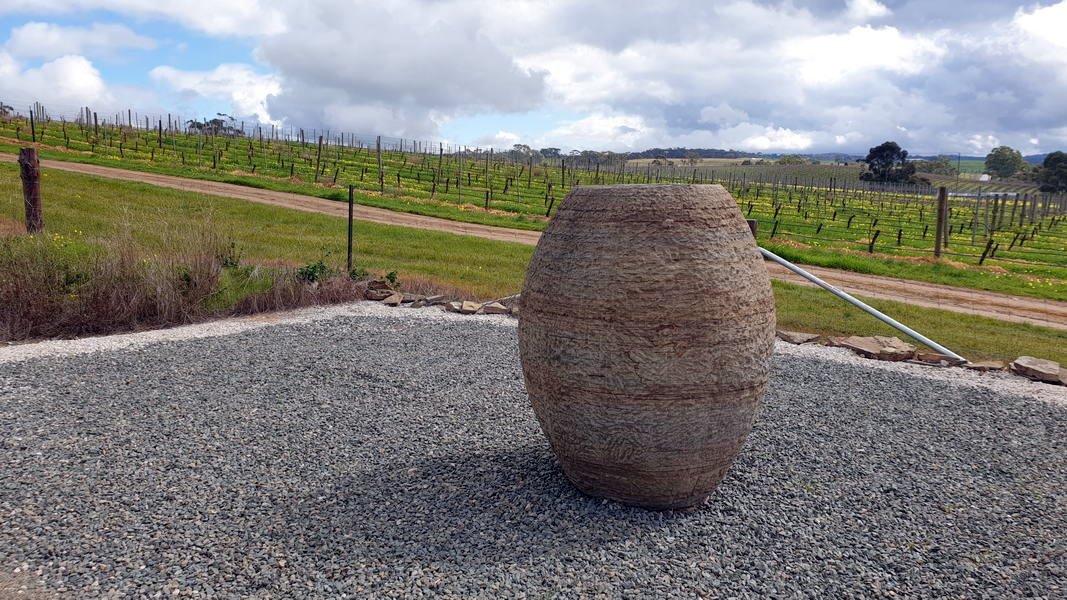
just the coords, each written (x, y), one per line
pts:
(646, 332)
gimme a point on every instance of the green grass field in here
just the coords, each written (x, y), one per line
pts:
(90, 209)
(972, 166)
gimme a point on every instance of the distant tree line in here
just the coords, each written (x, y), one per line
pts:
(889, 163)
(689, 153)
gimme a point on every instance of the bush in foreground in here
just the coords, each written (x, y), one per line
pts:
(57, 286)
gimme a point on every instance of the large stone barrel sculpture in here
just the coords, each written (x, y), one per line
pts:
(646, 333)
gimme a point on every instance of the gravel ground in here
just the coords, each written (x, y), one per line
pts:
(349, 452)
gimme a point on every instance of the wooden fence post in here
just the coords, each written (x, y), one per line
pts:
(942, 209)
(381, 175)
(318, 160)
(30, 170)
(351, 202)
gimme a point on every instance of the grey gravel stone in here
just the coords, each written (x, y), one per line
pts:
(398, 457)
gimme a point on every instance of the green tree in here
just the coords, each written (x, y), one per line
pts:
(1004, 161)
(792, 159)
(1054, 173)
(942, 165)
(888, 162)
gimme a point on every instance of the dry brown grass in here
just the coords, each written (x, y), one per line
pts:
(10, 227)
(424, 285)
(52, 286)
(288, 292)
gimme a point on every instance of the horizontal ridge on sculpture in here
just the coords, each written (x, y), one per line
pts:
(645, 336)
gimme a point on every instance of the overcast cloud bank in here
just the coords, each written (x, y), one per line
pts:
(761, 76)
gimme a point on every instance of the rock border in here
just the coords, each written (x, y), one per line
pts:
(379, 290)
(888, 348)
(878, 347)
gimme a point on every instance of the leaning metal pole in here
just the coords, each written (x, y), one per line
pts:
(869, 310)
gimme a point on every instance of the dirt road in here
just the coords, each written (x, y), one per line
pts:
(1020, 309)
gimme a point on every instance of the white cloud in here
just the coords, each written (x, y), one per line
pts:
(585, 76)
(216, 17)
(608, 131)
(66, 82)
(500, 139)
(722, 114)
(834, 58)
(778, 138)
(848, 138)
(48, 41)
(1042, 34)
(866, 10)
(1048, 23)
(421, 62)
(981, 144)
(246, 90)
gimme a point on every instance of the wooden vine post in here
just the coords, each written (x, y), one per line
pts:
(318, 160)
(942, 211)
(351, 204)
(30, 170)
(381, 175)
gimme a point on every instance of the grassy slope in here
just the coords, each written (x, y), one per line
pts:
(416, 204)
(1035, 281)
(89, 207)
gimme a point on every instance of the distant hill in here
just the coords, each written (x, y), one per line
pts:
(834, 156)
(952, 156)
(701, 152)
(720, 153)
(1034, 159)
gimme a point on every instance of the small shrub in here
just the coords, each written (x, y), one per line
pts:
(393, 279)
(358, 274)
(230, 258)
(313, 272)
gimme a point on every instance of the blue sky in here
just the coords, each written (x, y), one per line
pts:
(758, 75)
